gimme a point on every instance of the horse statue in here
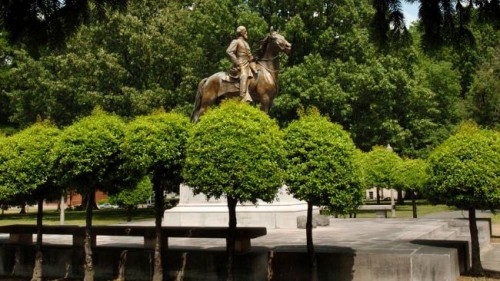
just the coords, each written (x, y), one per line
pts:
(262, 88)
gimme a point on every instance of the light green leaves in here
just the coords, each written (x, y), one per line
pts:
(410, 175)
(321, 164)
(237, 151)
(378, 166)
(25, 160)
(155, 145)
(87, 152)
(465, 169)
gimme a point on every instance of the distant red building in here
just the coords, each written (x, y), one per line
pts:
(75, 199)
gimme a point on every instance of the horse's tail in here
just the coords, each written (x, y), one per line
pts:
(197, 102)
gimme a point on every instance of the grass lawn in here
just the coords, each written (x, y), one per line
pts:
(115, 216)
(51, 216)
(423, 208)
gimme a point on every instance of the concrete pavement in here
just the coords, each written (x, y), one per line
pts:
(394, 248)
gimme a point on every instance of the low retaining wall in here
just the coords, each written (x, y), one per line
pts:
(281, 263)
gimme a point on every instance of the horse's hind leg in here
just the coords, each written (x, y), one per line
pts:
(208, 99)
(265, 104)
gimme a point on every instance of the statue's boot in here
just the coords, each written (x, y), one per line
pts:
(244, 94)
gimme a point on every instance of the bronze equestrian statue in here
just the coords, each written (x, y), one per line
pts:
(260, 77)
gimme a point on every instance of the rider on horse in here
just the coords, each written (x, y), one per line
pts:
(240, 55)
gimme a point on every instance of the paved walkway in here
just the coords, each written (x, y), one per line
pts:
(359, 235)
(490, 258)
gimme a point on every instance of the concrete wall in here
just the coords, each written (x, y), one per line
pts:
(283, 263)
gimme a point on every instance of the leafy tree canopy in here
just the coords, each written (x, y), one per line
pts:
(378, 165)
(235, 151)
(464, 170)
(87, 153)
(155, 145)
(411, 175)
(321, 166)
(483, 98)
(26, 166)
(48, 22)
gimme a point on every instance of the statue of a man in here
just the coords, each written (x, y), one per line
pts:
(240, 55)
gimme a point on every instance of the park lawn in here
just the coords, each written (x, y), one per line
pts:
(116, 216)
(100, 217)
(405, 211)
(423, 208)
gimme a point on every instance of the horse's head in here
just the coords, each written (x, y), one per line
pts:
(278, 41)
(273, 44)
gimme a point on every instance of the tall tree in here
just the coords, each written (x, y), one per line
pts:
(322, 170)
(442, 21)
(235, 151)
(88, 156)
(154, 145)
(332, 28)
(378, 165)
(49, 22)
(483, 98)
(65, 87)
(388, 22)
(27, 170)
(411, 176)
(464, 173)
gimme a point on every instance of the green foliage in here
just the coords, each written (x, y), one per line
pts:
(334, 29)
(26, 165)
(235, 151)
(484, 96)
(38, 24)
(465, 169)
(410, 175)
(384, 100)
(153, 55)
(67, 86)
(378, 166)
(87, 153)
(155, 144)
(135, 196)
(321, 164)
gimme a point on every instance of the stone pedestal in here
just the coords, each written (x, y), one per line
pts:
(195, 210)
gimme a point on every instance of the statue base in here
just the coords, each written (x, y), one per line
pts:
(196, 210)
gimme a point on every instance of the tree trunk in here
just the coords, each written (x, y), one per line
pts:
(414, 204)
(231, 237)
(70, 203)
(313, 265)
(159, 209)
(37, 268)
(401, 200)
(87, 244)
(62, 206)
(476, 268)
(86, 198)
(129, 213)
(23, 208)
(378, 195)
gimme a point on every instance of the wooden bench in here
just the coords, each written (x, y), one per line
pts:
(23, 233)
(380, 210)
